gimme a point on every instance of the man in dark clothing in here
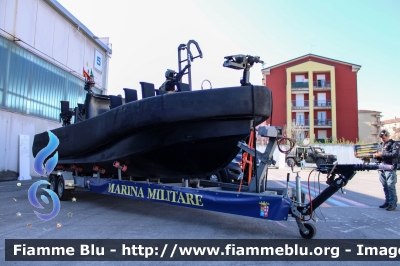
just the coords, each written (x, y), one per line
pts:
(388, 154)
(302, 161)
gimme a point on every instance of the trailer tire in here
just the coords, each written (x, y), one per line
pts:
(312, 230)
(53, 183)
(62, 193)
(290, 162)
(319, 162)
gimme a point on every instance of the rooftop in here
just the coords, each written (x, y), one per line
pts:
(315, 56)
(390, 121)
(368, 111)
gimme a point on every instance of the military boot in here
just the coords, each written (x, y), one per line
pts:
(384, 205)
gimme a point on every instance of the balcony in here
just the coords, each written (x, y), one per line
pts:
(322, 123)
(327, 140)
(322, 104)
(300, 86)
(322, 85)
(299, 123)
(376, 123)
(300, 104)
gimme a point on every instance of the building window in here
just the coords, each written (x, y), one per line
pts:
(322, 134)
(300, 78)
(321, 99)
(321, 80)
(299, 99)
(34, 86)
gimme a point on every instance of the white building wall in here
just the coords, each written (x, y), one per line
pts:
(88, 62)
(13, 125)
(277, 156)
(25, 21)
(38, 27)
(8, 9)
(76, 50)
(60, 39)
(45, 28)
(344, 153)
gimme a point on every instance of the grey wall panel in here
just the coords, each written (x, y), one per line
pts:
(25, 21)
(44, 28)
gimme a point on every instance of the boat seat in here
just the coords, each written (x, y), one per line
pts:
(64, 106)
(183, 86)
(130, 95)
(96, 104)
(66, 114)
(115, 101)
(148, 89)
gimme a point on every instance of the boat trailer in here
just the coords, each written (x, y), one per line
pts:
(253, 200)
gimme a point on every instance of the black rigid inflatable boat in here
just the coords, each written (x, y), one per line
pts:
(186, 134)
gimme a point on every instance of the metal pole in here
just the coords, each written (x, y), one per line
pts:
(298, 188)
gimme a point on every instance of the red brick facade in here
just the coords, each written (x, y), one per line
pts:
(342, 96)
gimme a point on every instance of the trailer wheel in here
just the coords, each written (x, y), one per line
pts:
(53, 183)
(290, 162)
(62, 193)
(311, 231)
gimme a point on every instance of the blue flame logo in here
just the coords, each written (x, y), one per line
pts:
(33, 200)
(44, 169)
(38, 165)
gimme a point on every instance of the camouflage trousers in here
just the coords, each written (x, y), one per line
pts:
(389, 180)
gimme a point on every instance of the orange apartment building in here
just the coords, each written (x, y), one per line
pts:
(315, 95)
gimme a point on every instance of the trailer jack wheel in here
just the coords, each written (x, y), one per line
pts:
(62, 193)
(311, 231)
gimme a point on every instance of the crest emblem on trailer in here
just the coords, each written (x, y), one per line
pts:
(264, 208)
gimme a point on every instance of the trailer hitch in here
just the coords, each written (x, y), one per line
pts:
(344, 172)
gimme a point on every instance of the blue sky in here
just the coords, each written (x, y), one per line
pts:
(145, 36)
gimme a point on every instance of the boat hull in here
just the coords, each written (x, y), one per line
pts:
(180, 135)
